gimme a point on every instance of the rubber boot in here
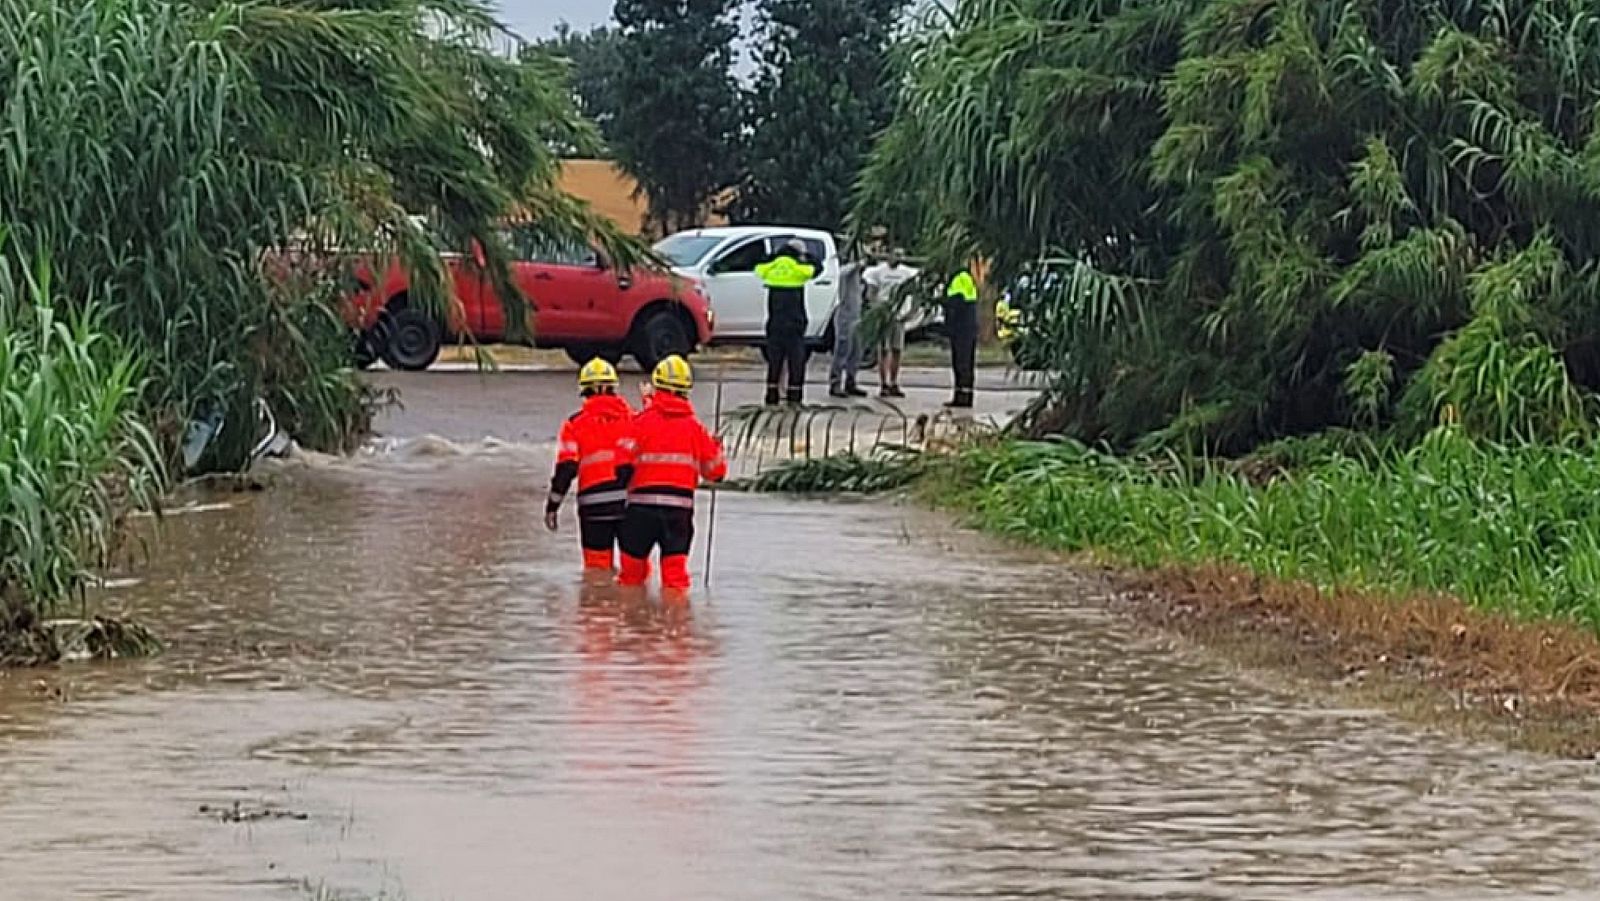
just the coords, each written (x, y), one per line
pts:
(675, 572)
(962, 399)
(635, 572)
(598, 560)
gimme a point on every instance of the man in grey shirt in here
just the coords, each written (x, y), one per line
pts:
(846, 344)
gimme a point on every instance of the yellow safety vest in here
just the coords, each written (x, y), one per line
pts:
(964, 287)
(786, 272)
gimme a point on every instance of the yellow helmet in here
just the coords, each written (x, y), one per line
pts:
(673, 374)
(597, 372)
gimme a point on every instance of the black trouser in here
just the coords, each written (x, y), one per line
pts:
(786, 342)
(647, 527)
(961, 320)
(786, 350)
(600, 532)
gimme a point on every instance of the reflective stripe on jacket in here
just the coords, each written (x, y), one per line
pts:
(588, 453)
(667, 453)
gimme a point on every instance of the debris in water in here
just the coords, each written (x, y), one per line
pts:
(238, 813)
(100, 638)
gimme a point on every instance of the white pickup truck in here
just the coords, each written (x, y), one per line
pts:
(723, 262)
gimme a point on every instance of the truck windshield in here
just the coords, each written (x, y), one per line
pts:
(686, 250)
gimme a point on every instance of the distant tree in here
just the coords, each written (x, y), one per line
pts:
(675, 122)
(594, 64)
(821, 95)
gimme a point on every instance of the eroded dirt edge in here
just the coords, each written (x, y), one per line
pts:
(1432, 660)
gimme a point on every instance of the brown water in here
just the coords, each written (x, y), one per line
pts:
(865, 704)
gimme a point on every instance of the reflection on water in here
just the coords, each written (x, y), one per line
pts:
(863, 707)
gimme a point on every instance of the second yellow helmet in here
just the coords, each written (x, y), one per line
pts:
(673, 374)
(596, 373)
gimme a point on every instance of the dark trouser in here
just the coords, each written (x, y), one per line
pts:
(599, 533)
(786, 350)
(647, 527)
(961, 319)
(846, 356)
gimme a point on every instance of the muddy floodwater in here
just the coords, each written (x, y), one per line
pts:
(385, 680)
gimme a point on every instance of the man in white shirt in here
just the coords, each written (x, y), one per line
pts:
(884, 281)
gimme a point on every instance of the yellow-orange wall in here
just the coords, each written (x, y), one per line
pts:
(610, 191)
(606, 188)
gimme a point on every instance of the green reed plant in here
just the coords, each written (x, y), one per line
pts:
(164, 153)
(74, 455)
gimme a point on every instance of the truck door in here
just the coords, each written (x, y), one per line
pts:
(468, 288)
(822, 293)
(575, 294)
(737, 295)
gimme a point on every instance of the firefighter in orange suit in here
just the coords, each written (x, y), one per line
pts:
(588, 454)
(662, 460)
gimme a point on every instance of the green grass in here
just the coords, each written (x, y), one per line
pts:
(1514, 529)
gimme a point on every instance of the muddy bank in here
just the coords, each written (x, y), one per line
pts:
(1433, 660)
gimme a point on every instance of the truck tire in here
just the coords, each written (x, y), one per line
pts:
(660, 335)
(414, 340)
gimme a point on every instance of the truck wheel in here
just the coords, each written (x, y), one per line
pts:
(659, 337)
(414, 340)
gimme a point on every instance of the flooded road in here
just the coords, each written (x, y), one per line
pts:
(385, 680)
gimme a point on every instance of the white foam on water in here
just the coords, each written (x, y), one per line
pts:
(405, 452)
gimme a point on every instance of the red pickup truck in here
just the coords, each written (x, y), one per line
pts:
(579, 304)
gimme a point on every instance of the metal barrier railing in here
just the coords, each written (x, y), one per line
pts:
(757, 438)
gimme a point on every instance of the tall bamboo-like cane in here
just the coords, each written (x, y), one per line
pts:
(711, 524)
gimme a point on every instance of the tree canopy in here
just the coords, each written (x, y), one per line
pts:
(674, 120)
(1268, 217)
(822, 93)
(593, 61)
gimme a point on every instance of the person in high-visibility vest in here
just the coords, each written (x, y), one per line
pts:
(662, 459)
(1008, 321)
(588, 455)
(785, 277)
(961, 321)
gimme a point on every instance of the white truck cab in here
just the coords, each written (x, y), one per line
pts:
(723, 262)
